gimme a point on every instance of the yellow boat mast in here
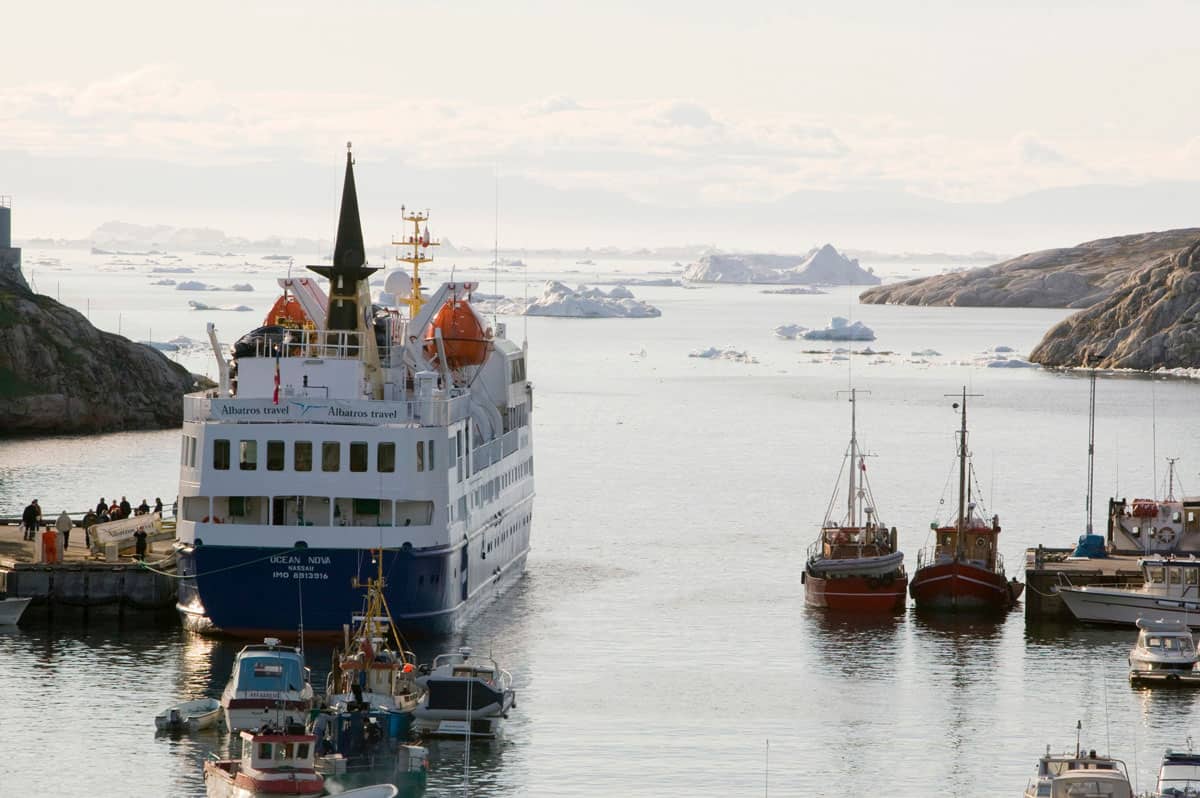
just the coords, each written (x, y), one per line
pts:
(419, 241)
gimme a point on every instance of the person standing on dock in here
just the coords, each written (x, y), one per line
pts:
(139, 538)
(89, 519)
(158, 506)
(101, 506)
(143, 508)
(64, 524)
(29, 520)
(126, 508)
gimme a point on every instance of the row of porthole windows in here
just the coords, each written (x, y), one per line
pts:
(491, 489)
(302, 455)
(508, 533)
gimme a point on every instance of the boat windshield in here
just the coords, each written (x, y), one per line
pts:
(270, 673)
(1179, 777)
(1173, 644)
(1092, 788)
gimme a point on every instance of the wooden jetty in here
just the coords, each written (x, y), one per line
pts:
(84, 580)
(1046, 569)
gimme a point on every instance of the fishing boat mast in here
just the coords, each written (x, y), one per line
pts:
(1091, 447)
(852, 516)
(961, 529)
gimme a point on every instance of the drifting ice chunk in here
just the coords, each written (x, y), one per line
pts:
(724, 353)
(840, 329)
(790, 331)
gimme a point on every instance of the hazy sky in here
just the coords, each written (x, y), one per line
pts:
(670, 104)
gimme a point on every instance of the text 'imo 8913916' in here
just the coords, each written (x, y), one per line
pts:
(341, 427)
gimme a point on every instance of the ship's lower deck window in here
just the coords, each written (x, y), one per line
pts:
(195, 508)
(358, 456)
(420, 455)
(274, 455)
(221, 454)
(331, 456)
(302, 455)
(386, 458)
(248, 455)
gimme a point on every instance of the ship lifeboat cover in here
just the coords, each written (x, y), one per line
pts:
(286, 311)
(463, 334)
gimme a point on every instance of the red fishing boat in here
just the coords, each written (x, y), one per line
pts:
(963, 569)
(854, 565)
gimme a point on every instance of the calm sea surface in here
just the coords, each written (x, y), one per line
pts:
(659, 641)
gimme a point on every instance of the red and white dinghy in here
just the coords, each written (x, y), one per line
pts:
(963, 570)
(854, 566)
(274, 762)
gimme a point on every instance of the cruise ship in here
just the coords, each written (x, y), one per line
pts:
(344, 430)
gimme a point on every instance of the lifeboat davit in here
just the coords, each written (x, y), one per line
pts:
(463, 335)
(286, 312)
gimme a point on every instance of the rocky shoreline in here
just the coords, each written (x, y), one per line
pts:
(1069, 277)
(59, 374)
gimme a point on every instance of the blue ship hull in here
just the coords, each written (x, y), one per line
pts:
(256, 592)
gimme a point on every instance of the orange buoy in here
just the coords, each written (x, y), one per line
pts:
(463, 336)
(286, 312)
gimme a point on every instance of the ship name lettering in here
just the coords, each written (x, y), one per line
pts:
(284, 559)
(342, 412)
(317, 559)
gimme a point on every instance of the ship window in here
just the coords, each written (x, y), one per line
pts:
(264, 750)
(195, 508)
(518, 369)
(274, 455)
(387, 458)
(248, 455)
(183, 449)
(237, 505)
(1191, 576)
(420, 455)
(358, 456)
(191, 452)
(1173, 576)
(221, 455)
(366, 507)
(302, 455)
(302, 750)
(431, 464)
(414, 513)
(331, 456)
(1154, 575)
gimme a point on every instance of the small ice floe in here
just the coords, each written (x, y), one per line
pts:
(589, 303)
(164, 281)
(161, 346)
(790, 332)
(202, 306)
(1003, 349)
(801, 290)
(193, 285)
(241, 287)
(724, 353)
(840, 329)
(172, 270)
(1011, 363)
(926, 353)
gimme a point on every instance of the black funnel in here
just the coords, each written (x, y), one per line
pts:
(349, 260)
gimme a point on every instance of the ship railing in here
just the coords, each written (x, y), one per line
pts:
(325, 344)
(495, 450)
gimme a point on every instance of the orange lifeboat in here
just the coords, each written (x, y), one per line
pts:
(286, 312)
(463, 336)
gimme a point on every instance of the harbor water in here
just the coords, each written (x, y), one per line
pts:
(659, 642)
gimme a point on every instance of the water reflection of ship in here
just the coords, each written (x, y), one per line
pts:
(853, 644)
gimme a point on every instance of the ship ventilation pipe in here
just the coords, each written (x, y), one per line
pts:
(222, 364)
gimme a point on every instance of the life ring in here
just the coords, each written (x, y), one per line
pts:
(215, 520)
(980, 541)
(1166, 534)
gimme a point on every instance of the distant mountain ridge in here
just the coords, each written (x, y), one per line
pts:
(1068, 277)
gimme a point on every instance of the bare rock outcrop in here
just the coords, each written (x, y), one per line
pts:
(59, 374)
(1152, 321)
(1071, 277)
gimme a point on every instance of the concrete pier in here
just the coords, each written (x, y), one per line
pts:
(1046, 569)
(83, 580)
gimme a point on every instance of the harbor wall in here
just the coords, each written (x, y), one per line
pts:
(90, 585)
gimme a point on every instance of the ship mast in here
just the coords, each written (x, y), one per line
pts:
(419, 240)
(1091, 447)
(961, 529)
(851, 499)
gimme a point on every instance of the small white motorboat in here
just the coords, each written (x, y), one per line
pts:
(465, 696)
(1082, 773)
(203, 713)
(11, 609)
(1168, 591)
(1179, 774)
(1164, 653)
(270, 684)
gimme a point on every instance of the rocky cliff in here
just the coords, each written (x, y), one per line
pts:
(59, 374)
(1072, 277)
(1151, 321)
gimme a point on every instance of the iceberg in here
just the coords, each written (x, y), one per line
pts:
(589, 303)
(724, 353)
(825, 266)
(201, 306)
(840, 329)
